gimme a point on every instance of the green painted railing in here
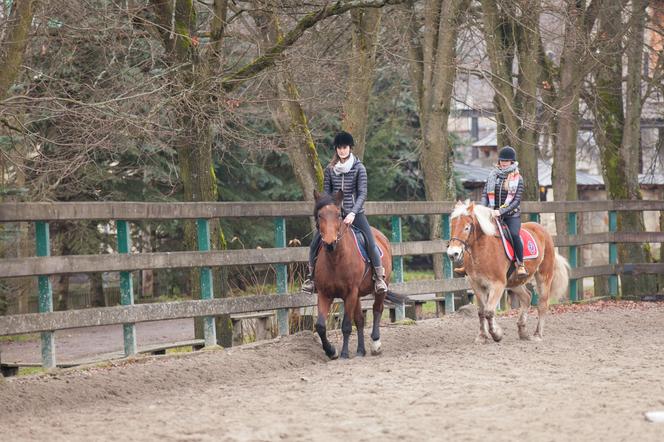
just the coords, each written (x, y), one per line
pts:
(397, 264)
(206, 281)
(573, 257)
(45, 294)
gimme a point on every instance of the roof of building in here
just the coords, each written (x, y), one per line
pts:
(475, 176)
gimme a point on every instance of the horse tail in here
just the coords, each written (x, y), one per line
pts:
(396, 298)
(560, 281)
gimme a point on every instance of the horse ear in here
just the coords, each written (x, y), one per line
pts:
(339, 197)
(316, 195)
(471, 206)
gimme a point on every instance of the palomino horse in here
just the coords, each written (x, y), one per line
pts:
(475, 242)
(341, 272)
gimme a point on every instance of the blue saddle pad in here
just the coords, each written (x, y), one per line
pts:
(361, 243)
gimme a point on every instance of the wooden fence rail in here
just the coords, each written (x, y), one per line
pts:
(44, 265)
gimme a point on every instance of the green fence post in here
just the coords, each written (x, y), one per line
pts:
(397, 265)
(207, 286)
(126, 287)
(447, 264)
(45, 295)
(282, 274)
(613, 253)
(534, 296)
(573, 254)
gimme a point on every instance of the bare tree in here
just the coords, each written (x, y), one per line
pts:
(432, 41)
(365, 30)
(617, 127)
(511, 35)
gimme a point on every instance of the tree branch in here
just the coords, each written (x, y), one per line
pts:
(268, 59)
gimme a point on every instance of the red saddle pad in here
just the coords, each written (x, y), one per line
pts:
(530, 250)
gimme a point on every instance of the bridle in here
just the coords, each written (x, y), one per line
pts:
(340, 233)
(464, 243)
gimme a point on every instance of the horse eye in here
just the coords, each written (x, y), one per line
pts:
(467, 227)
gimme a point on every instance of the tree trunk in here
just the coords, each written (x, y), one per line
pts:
(13, 45)
(193, 142)
(516, 28)
(563, 176)
(366, 26)
(97, 290)
(617, 158)
(433, 77)
(289, 117)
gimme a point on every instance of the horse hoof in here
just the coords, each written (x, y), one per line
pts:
(334, 355)
(481, 340)
(361, 353)
(344, 356)
(376, 347)
(524, 337)
(497, 335)
(537, 338)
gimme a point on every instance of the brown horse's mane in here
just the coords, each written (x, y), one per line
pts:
(324, 200)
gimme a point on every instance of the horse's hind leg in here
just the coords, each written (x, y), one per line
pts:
(323, 310)
(378, 304)
(544, 288)
(523, 294)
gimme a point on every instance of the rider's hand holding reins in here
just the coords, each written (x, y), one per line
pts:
(349, 218)
(495, 213)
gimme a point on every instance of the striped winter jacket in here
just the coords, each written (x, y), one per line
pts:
(513, 208)
(353, 184)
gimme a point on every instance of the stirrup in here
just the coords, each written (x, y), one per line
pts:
(521, 270)
(308, 286)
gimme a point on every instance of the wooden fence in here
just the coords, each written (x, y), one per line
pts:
(128, 314)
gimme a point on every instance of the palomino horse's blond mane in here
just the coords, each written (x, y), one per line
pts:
(482, 214)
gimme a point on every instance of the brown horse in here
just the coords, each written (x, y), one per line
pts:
(341, 272)
(475, 243)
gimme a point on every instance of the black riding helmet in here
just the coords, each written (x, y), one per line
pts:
(343, 139)
(507, 153)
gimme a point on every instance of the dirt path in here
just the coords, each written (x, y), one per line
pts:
(593, 378)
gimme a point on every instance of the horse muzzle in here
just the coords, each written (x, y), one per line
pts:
(330, 247)
(455, 254)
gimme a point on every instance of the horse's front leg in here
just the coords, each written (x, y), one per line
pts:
(495, 292)
(347, 325)
(359, 324)
(480, 294)
(323, 310)
(378, 305)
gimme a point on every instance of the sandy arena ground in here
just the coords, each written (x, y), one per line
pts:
(598, 370)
